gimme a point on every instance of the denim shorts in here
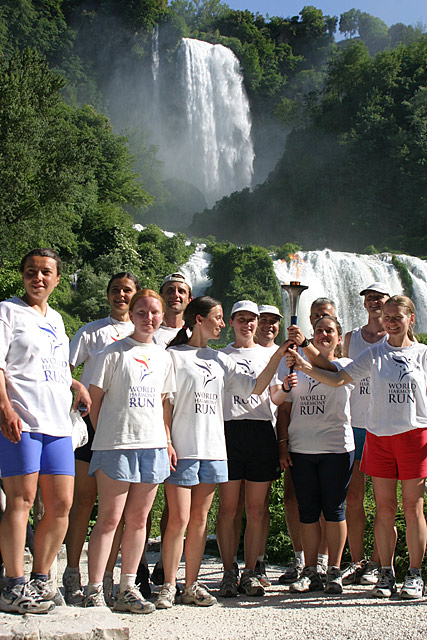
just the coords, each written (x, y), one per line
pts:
(36, 452)
(150, 466)
(190, 472)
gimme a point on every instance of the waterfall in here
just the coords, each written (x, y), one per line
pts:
(155, 55)
(341, 276)
(196, 270)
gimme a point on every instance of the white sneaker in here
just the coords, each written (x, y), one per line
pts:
(370, 573)
(166, 597)
(132, 600)
(73, 592)
(385, 586)
(22, 599)
(413, 587)
(95, 597)
(197, 594)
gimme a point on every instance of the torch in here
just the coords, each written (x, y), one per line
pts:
(294, 291)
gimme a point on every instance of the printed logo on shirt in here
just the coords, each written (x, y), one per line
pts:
(364, 388)
(403, 391)
(312, 404)
(246, 366)
(206, 371)
(54, 369)
(50, 333)
(143, 362)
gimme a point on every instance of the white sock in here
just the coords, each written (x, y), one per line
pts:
(261, 558)
(93, 587)
(127, 581)
(322, 557)
(299, 555)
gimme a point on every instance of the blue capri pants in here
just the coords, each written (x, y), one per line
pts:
(321, 482)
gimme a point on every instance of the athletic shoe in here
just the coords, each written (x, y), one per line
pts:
(333, 581)
(95, 598)
(322, 569)
(236, 570)
(309, 580)
(229, 585)
(166, 596)
(385, 586)
(353, 573)
(293, 572)
(22, 599)
(197, 594)
(261, 574)
(158, 575)
(249, 584)
(108, 587)
(370, 573)
(413, 587)
(142, 577)
(44, 589)
(131, 600)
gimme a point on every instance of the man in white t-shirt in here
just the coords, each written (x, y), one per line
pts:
(176, 293)
(355, 342)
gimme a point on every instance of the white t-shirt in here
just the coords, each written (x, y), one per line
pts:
(398, 400)
(91, 339)
(164, 335)
(359, 401)
(320, 416)
(202, 377)
(133, 375)
(252, 361)
(34, 356)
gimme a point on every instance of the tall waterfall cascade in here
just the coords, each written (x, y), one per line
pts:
(342, 276)
(196, 271)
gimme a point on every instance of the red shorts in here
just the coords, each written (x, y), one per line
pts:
(401, 457)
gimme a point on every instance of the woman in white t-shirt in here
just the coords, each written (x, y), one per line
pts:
(396, 442)
(202, 376)
(252, 455)
(36, 446)
(132, 450)
(319, 448)
(85, 347)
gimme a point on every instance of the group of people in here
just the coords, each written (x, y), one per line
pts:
(161, 405)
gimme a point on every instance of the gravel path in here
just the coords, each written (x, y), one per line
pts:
(279, 615)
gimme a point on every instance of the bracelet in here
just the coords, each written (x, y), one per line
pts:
(284, 388)
(304, 344)
(283, 440)
(169, 441)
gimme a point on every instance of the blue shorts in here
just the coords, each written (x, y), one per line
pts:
(190, 472)
(36, 452)
(150, 466)
(321, 482)
(359, 442)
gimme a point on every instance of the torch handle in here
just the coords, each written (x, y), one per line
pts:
(293, 321)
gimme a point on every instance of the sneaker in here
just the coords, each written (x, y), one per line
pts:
(158, 575)
(44, 589)
(322, 569)
(22, 599)
(293, 572)
(236, 570)
(142, 577)
(95, 598)
(385, 586)
(249, 584)
(353, 573)
(108, 587)
(370, 573)
(261, 574)
(333, 581)
(310, 580)
(166, 597)
(131, 600)
(73, 592)
(197, 594)
(413, 586)
(229, 585)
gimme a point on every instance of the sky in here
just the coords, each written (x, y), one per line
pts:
(391, 11)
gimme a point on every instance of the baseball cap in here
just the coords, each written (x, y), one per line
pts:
(176, 277)
(269, 308)
(378, 287)
(245, 305)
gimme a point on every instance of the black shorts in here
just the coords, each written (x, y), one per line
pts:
(252, 450)
(84, 453)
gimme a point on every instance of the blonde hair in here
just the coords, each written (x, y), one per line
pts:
(408, 305)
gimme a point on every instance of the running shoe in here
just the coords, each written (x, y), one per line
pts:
(158, 575)
(322, 569)
(249, 584)
(166, 596)
(370, 573)
(95, 597)
(108, 587)
(261, 574)
(413, 586)
(333, 581)
(353, 573)
(22, 599)
(197, 594)
(386, 585)
(229, 585)
(310, 580)
(132, 601)
(44, 589)
(293, 572)
(142, 578)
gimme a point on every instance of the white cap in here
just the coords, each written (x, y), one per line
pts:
(378, 287)
(176, 277)
(269, 308)
(245, 305)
